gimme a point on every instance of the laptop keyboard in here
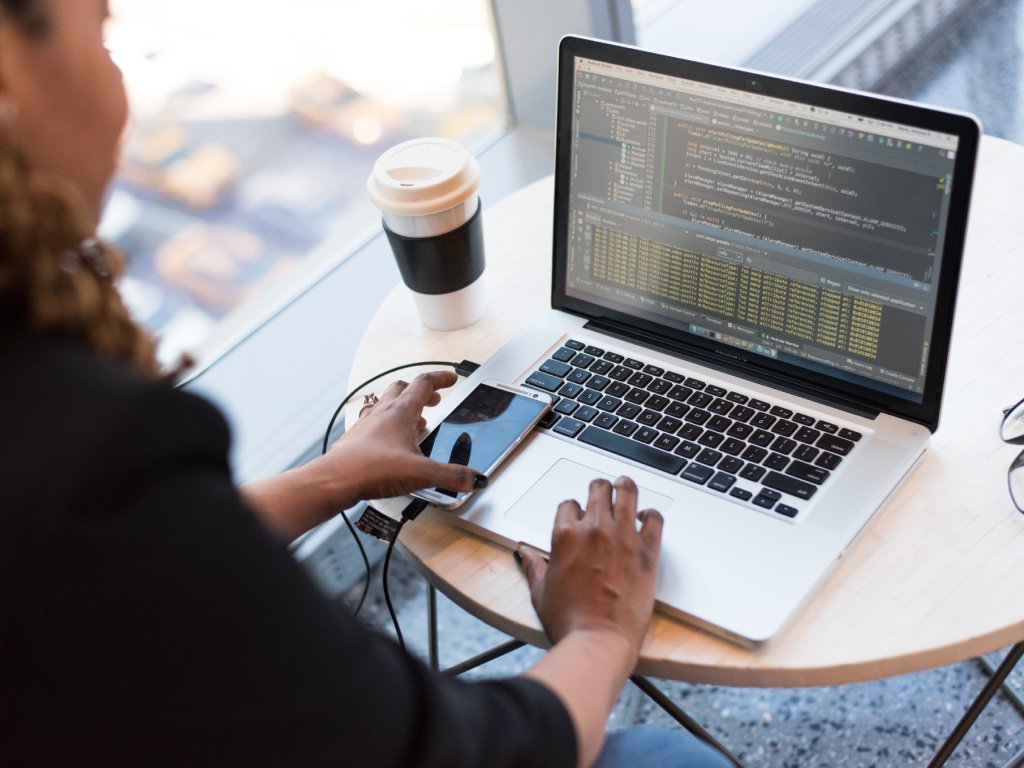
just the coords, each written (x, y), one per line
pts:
(699, 431)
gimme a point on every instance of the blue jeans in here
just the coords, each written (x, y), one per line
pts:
(650, 746)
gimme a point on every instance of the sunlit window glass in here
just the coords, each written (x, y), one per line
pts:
(255, 126)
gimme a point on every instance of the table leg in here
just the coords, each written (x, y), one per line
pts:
(432, 655)
(977, 706)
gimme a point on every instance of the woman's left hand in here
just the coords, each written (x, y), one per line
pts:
(377, 457)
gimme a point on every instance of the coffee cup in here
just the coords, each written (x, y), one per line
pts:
(426, 190)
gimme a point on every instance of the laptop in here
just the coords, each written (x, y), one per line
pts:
(753, 289)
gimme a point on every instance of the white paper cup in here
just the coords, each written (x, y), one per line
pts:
(426, 190)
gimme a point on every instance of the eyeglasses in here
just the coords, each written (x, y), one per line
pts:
(1011, 430)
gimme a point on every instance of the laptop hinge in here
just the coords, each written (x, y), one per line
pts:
(711, 360)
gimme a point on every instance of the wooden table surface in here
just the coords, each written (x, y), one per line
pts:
(937, 577)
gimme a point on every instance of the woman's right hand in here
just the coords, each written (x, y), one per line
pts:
(602, 572)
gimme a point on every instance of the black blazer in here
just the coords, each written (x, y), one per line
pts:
(147, 618)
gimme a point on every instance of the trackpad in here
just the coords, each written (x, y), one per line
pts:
(568, 480)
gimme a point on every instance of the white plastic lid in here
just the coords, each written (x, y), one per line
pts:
(423, 176)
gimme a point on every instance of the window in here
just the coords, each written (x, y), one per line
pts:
(254, 129)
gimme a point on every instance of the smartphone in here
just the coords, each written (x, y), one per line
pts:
(481, 432)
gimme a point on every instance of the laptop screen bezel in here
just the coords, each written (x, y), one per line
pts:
(963, 126)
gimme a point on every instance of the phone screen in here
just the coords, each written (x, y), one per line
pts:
(481, 429)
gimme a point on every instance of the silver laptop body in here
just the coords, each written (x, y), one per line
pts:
(777, 251)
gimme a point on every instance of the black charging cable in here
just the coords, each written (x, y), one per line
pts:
(465, 368)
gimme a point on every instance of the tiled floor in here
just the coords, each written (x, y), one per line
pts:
(977, 66)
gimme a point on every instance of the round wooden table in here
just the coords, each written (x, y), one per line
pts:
(937, 577)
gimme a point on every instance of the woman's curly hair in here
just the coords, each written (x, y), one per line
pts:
(53, 275)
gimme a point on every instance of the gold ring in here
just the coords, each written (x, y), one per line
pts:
(370, 399)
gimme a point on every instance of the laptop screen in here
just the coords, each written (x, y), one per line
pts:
(795, 232)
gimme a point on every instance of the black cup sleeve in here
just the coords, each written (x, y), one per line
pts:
(442, 263)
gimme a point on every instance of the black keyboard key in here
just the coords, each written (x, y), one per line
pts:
(548, 420)
(828, 460)
(742, 413)
(677, 410)
(680, 393)
(579, 376)
(629, 410)
(694, 383)
(753, 472)
(784, 445)
(654, 370)
(802, 471)
(645, 435)
(555, 368)
(732, 446)
(669, 424)
(763, 421)
(544, 381)
(649, 418)
(719, 423)
(617, 389)
(784, 428)
(687, 449)
(620, 373)
(715, 391)
(766, 499)
(740, 431)
(566, 407)
(741, 493)
(761, 438)
(570, 390)
(582, 361)
(730, 464)
(803, 419)
(789, 485)
(568, 427)
(737, 397)
(638, 396)
(666, 442)
(659, 386)
(586, 413)
(613, 357)
(657, 402)
(835, 444)
(807, 435)
(595, 351)
(806, 453)
(709, 456)
(776, 461)
(711, 439)
(631, 449)
(690, 431)
(675, 378)
(625, 427)
(782, 413)
(589, 396)
(754, 453)
(606, 421)
(720, 406)
(722, 482)
(609, 403)
(785, 509)
(630, 362)
(849, 434)
(563, 354)
(697, 473)
(573, 344)
(599, 383)
(700, 399)
(640, 379)
(697, 416)
(601, 367)
(826, 426)
(758, 405)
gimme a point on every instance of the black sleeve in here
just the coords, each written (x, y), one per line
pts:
(169, 627)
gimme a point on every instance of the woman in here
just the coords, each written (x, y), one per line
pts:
(149, 611)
